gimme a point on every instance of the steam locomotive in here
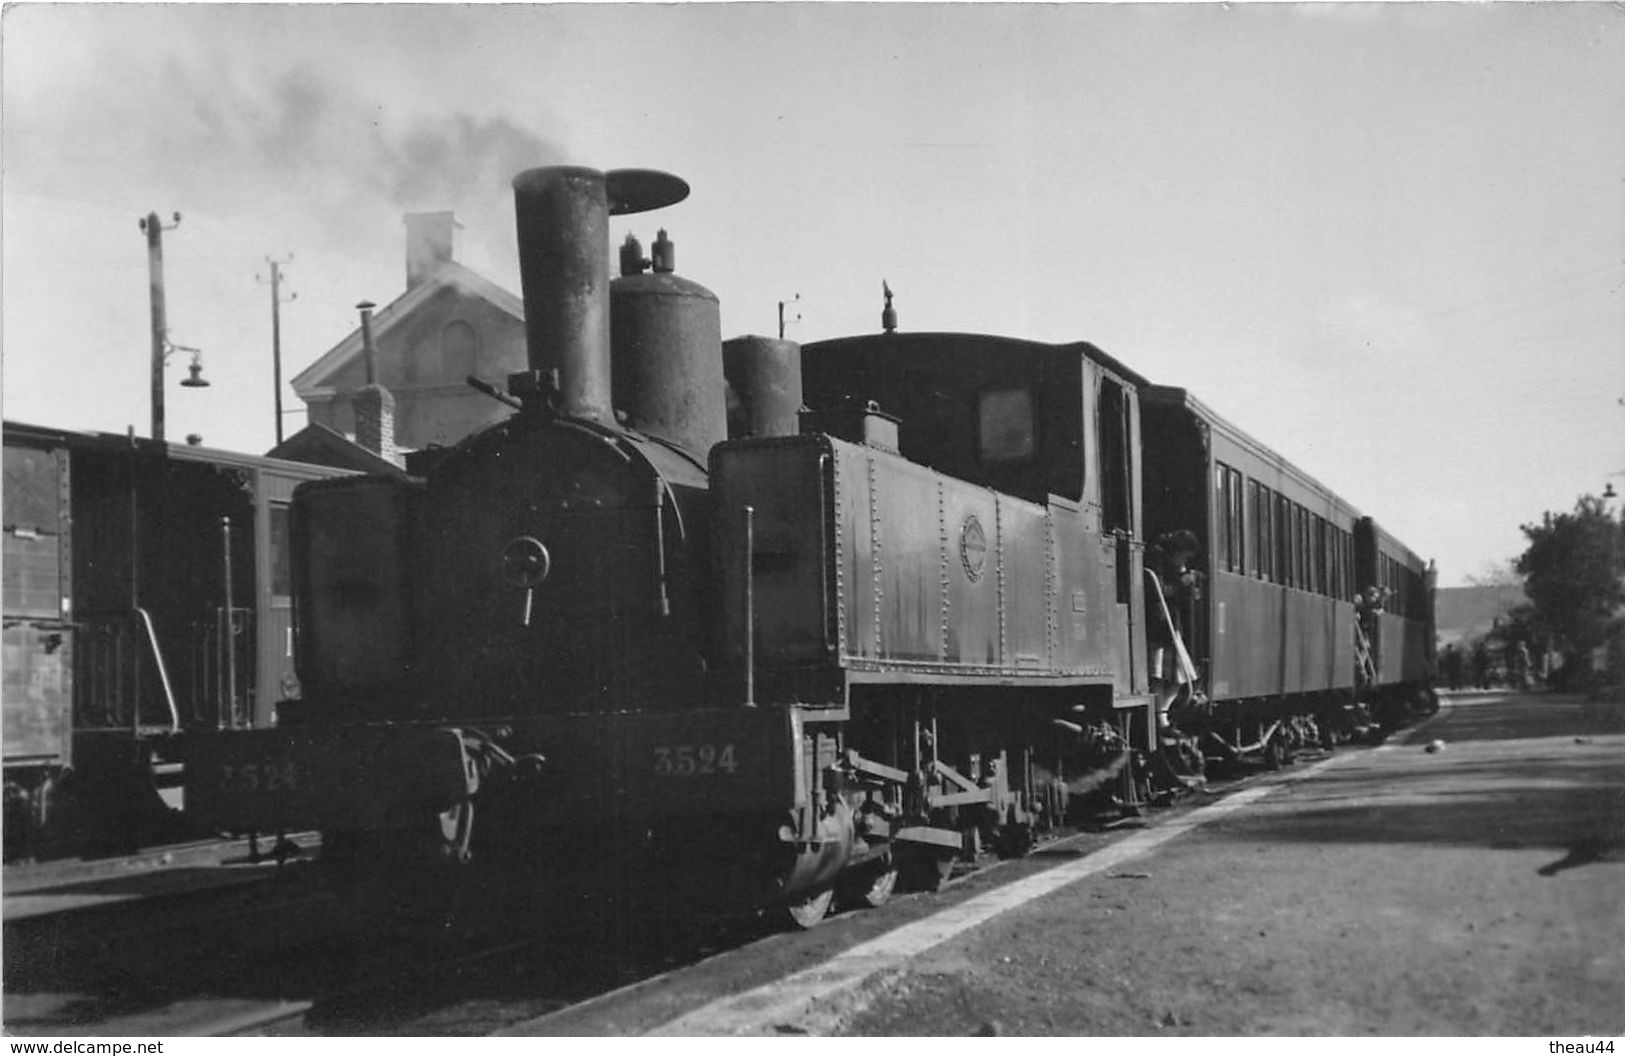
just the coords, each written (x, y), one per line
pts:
(797, 623)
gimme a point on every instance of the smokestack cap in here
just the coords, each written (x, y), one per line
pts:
(626, 190)
(640, 190)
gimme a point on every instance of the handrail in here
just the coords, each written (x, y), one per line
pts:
(1183, 657)
(163, 672)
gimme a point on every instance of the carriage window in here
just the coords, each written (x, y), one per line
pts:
(1264, 526)
(281, 565)
(1238, 524)
(1229, 524)
(1334, 560)
(1321, 550)
(1302, 520)
(1283, 540)
(1250, 539)
(1345, 553)
(1345, 541)
(1007, 426)
(1306, 556)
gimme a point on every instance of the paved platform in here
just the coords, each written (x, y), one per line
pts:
(1471, 889)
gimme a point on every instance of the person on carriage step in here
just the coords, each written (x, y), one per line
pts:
(1171, 556)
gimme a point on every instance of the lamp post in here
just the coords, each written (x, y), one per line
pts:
(161, 346)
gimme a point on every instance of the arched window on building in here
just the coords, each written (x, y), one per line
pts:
(460, 350)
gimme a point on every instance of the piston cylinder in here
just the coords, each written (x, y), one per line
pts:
(764, 374)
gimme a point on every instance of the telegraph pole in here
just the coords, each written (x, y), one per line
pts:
(276, 333)
(160, 326)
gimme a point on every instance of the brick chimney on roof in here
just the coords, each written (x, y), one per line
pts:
(431, 240)
(374, 405)
(375, 421)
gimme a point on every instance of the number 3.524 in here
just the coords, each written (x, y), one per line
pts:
(691, 760)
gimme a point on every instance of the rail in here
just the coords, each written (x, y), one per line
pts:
(163, 671)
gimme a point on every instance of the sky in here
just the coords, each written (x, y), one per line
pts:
(1387, 240)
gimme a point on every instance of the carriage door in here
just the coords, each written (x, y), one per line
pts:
(275, 679)
(1118, 524)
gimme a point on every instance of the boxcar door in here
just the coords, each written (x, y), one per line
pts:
(38, 634)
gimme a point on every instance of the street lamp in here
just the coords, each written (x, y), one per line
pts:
(194, 371)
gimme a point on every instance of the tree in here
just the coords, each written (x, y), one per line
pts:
(1496, 574)
(1572, 575)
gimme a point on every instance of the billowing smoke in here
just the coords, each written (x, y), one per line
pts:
(339, 156)
(345, 158)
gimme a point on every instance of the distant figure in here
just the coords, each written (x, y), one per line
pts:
(1481, 665)
(1522, 665)
(1453, 663)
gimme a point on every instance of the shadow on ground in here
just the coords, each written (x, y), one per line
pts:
(1563, 792)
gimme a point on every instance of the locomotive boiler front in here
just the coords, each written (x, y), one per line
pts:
(563, 576)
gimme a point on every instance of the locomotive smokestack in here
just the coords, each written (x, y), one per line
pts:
(562, 214)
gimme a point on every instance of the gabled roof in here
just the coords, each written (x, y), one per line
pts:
(450, 275)
(318, 445)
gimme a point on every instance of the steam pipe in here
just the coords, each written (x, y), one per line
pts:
(228, 637)
(662, 596)
(750, 606)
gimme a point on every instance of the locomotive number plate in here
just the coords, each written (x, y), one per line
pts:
(260, 777)
(694, 760)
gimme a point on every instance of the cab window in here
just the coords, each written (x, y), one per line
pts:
(1007, 426)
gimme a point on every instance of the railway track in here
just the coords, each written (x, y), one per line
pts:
(283, 959)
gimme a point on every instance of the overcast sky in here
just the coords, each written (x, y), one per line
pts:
(1388, 240)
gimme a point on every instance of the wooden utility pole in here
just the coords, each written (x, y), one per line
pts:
(160, 324)
(276, 333)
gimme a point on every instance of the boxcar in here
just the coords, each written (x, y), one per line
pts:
(147, 593)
